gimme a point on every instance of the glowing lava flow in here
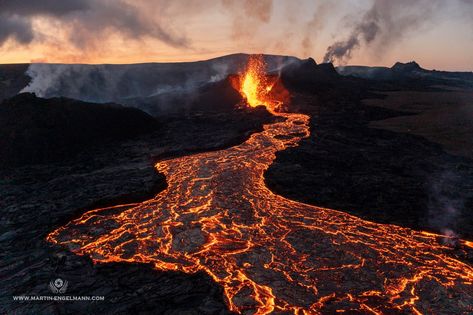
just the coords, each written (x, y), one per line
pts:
(271, 254)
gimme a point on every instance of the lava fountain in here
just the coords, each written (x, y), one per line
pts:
(259, 88)
(271, 254)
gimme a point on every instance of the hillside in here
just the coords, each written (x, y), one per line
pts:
(36, 130)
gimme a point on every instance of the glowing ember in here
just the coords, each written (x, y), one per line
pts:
(271, 254)
(257, 87)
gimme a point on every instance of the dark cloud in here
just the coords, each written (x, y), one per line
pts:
(43, 7)
(88, 20)
(17, 28)
(130, 21)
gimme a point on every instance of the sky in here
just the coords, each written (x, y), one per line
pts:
(438, 34)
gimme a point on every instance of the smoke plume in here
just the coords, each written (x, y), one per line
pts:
(446, 203)
(385, 23)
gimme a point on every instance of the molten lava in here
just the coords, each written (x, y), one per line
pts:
(259, 88)
(271, 254)
(254, 86)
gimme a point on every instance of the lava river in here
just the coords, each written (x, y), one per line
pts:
(271, 254)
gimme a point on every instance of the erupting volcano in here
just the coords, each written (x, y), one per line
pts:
(258, 88)
(269, 253)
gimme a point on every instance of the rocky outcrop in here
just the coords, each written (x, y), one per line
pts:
(35, 130)
(308, 75)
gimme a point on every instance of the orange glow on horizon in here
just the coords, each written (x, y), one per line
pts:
(187, 31)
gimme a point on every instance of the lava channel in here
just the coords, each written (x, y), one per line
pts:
(271, 254)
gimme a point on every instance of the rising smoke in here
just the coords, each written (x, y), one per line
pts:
(446, 203)
(125, 84)
(387, 22)
(152, 87)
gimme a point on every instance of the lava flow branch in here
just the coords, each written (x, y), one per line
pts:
(271, 254)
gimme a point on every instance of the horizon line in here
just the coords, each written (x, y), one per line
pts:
(221, 56)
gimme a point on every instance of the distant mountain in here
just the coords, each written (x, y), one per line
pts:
(409, 71)
(35, 130)
(409, 67)
(330, 89)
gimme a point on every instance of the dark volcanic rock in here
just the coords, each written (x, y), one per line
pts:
(36, 130)
(409, 76)
(378, 175)
(375, 174)
(217, 97)
(306, 74)
(213, 97)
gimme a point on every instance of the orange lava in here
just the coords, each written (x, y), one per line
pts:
(271, 254)
(258, 88)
